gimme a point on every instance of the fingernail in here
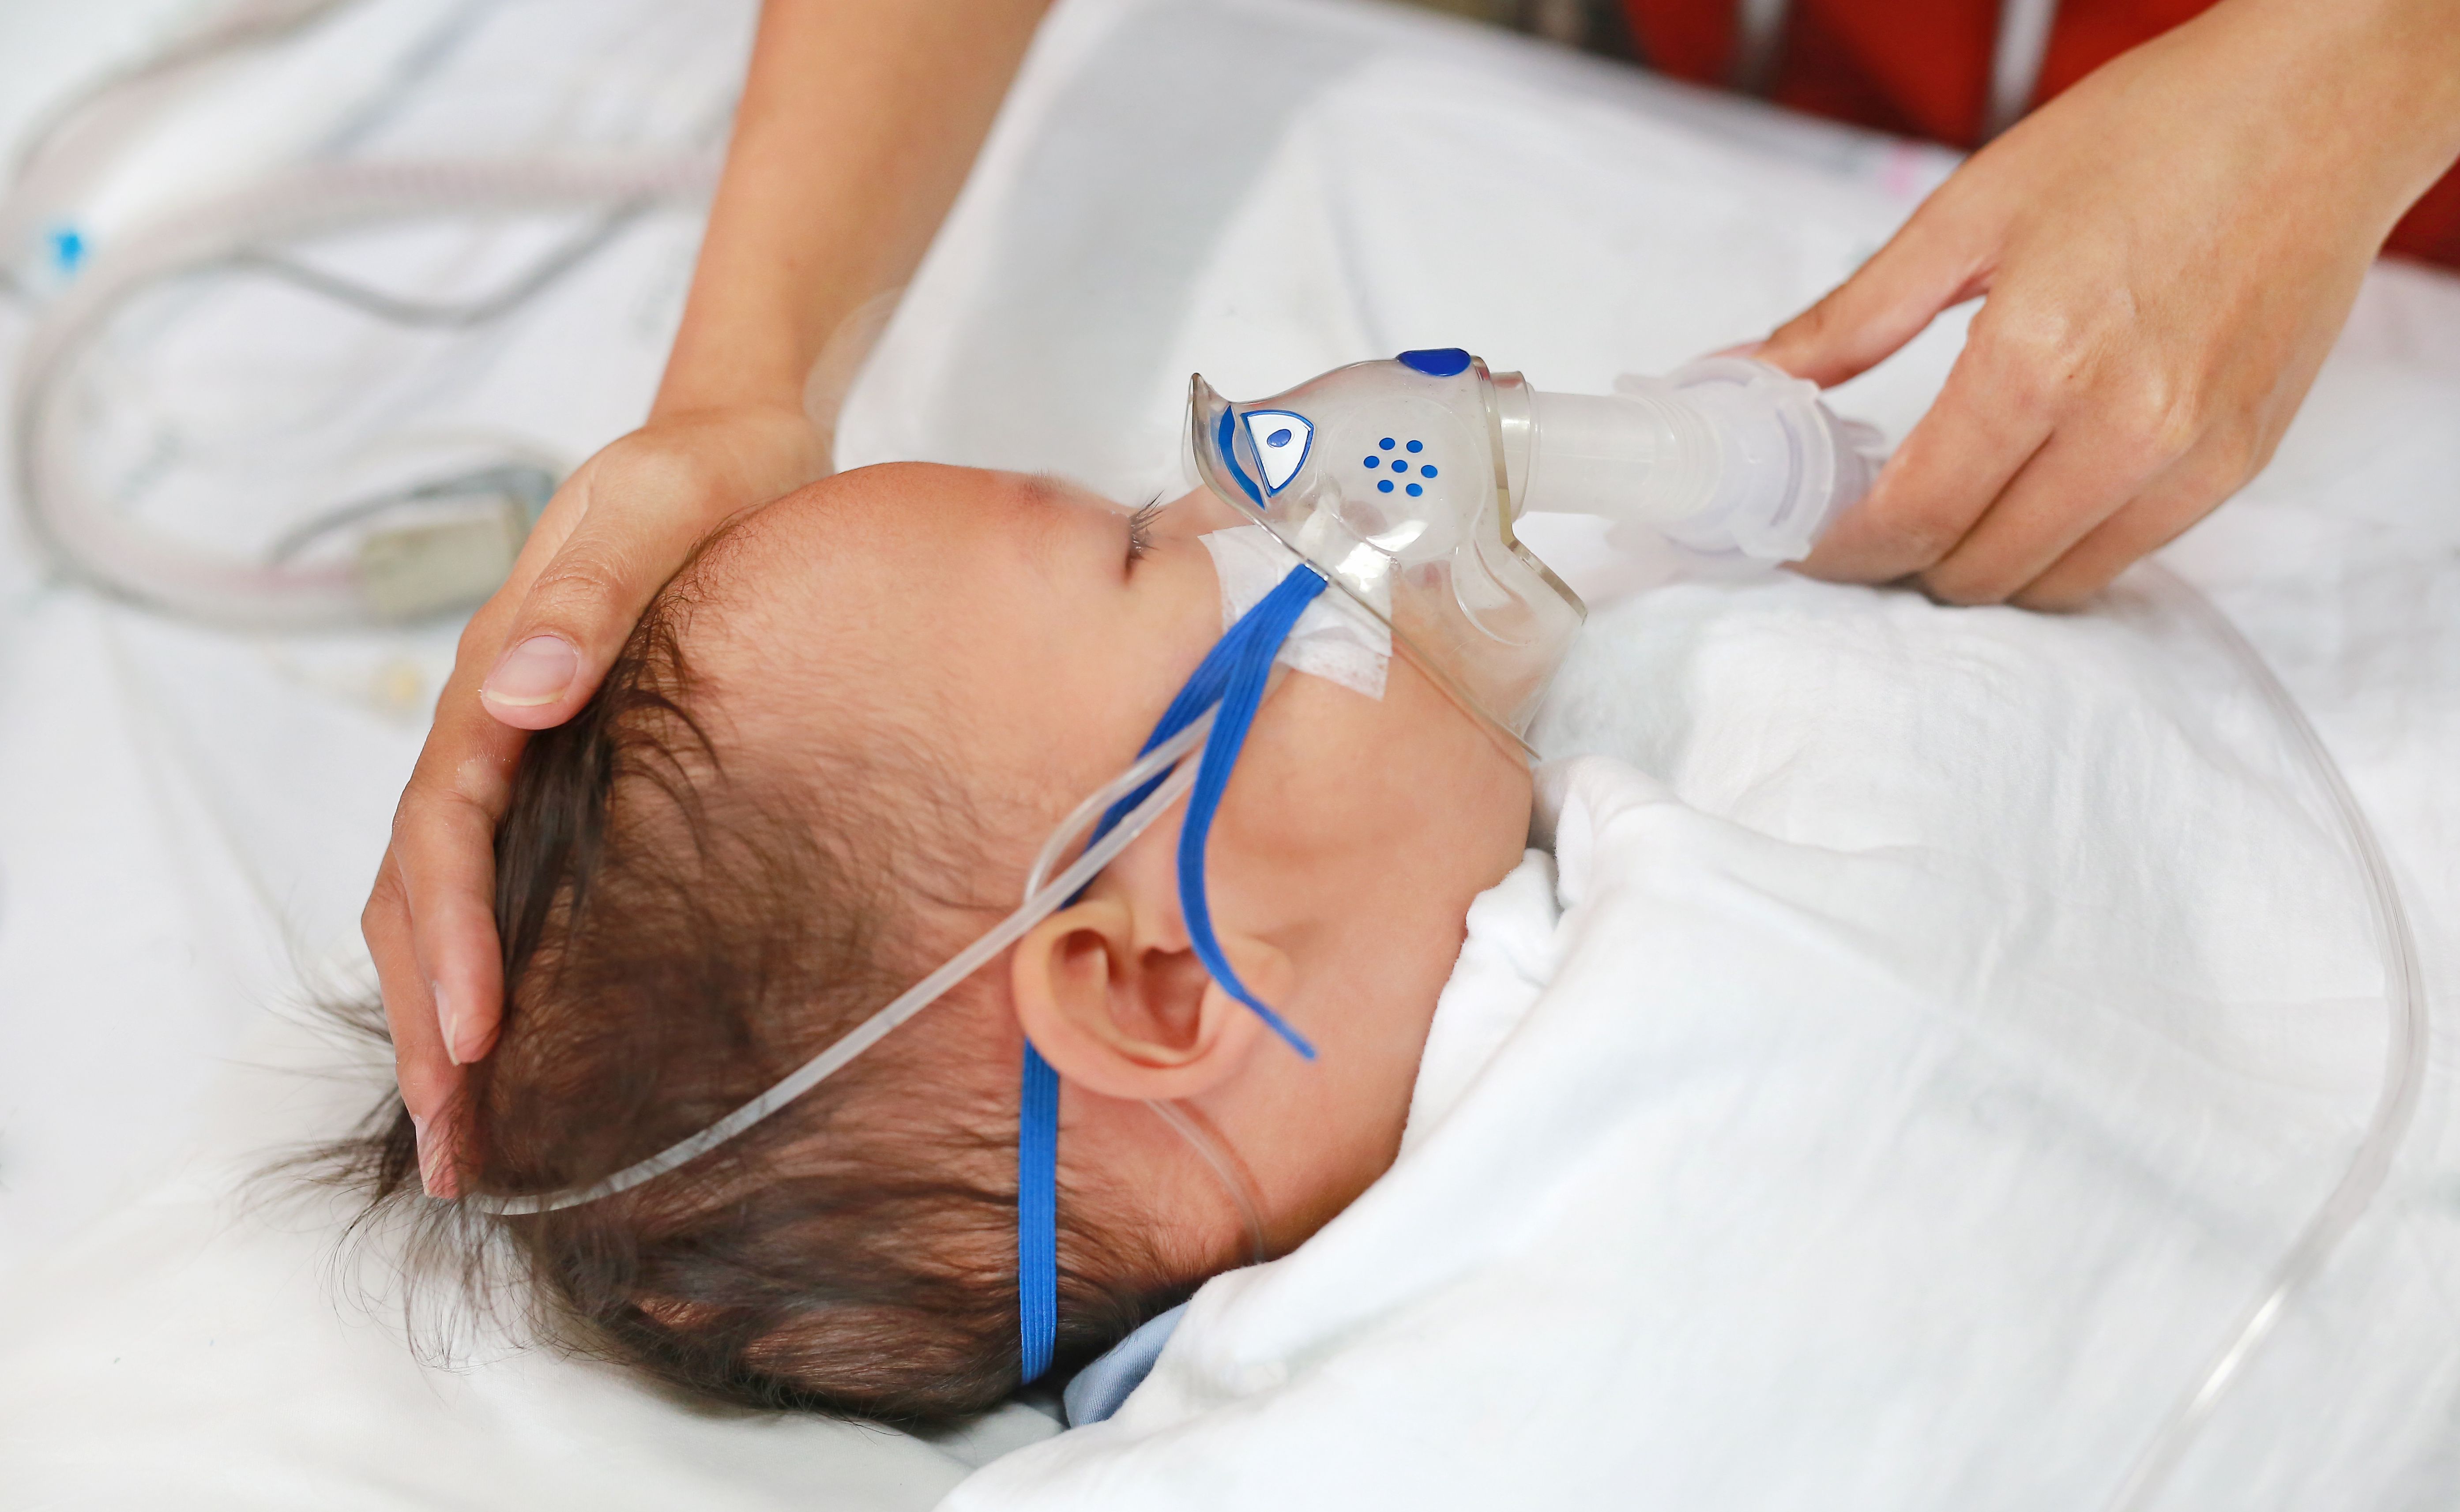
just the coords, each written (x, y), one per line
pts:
(535, 672)
(1746, 349)
(435, 1169)
(447, 1022)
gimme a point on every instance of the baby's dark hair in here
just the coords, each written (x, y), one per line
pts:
(683, 925)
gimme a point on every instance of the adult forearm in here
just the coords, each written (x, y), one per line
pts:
(859, 123)
(2380, 81)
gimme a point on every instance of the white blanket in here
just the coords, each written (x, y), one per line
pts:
(1889, 1104)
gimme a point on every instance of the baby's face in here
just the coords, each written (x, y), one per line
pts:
(1017, 630)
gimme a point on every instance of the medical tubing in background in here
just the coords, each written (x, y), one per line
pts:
(441, 315)
(72, 142)
(533, 483)
(145, 567)
(2403, 1077)
(1040, 903)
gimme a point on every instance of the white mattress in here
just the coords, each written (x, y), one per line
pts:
(188, 818)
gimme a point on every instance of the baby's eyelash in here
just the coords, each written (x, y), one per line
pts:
(1139, 528)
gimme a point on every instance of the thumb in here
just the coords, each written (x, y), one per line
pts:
(1930, 264)
(627, 536)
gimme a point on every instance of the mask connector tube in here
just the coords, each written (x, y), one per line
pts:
(1725, 456)
(1630, 456)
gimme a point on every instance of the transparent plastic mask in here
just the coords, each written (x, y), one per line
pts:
(1389, 478)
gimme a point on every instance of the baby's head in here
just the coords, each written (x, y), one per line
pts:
(823, 765)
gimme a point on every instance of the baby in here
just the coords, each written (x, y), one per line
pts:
(823, 765)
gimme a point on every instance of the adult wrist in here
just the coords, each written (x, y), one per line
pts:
(2389, 70)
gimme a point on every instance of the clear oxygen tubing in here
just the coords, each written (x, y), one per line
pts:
(130, 562)
(1044, 894)
(2404, 1076)
(1225, 1169)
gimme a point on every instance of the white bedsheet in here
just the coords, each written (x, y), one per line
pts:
(186, 818)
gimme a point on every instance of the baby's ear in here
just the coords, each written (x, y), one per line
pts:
(1113, 997)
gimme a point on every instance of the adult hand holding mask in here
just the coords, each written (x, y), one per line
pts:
(2165, 254)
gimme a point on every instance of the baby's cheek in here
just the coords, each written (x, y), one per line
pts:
(1465, 793)
(1405, 795)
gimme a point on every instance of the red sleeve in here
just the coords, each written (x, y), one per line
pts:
(2431, 231)
(1921, 68)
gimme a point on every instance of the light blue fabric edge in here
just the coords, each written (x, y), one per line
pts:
(1101, 1387)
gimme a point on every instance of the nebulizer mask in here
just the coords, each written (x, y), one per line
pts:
(1401, 483)
(1395, 485)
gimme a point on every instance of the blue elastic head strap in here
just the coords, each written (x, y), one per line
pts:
(1232, 674)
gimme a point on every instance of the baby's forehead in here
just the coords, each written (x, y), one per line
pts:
(835, 515)
(892, 541)
(805, 618)
(999, 622)
(884, 502)
(849, 525)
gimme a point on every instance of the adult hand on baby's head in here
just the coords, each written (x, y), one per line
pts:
(613, 534)
(2165, 252)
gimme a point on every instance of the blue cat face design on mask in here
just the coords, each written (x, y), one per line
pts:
(1280, 442)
